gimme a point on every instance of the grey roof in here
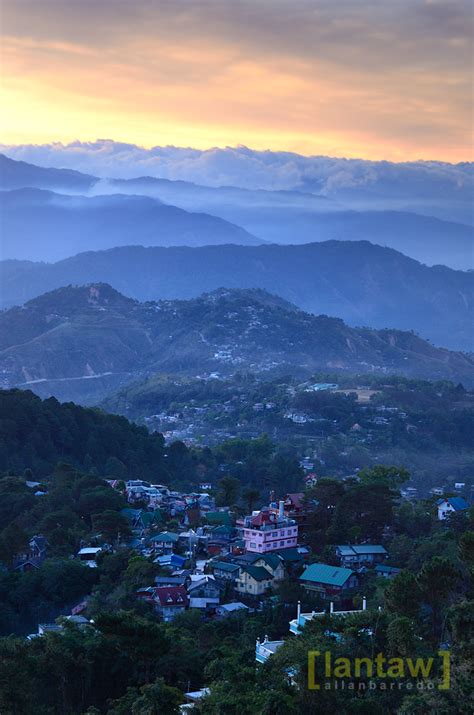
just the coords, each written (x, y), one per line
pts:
(235, 606)
(383, 568)
(345, 550)
(359, 549)
(271, 646)
(205, 581)
(170, 580)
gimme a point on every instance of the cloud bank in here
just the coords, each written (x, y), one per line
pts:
(248, 168)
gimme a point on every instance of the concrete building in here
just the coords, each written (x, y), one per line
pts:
(268, 531)
(265, 649)
(298, 623)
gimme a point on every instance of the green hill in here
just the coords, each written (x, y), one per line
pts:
(36, 434)
(82, 342)
(361, 283)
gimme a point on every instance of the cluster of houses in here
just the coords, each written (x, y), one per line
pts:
(242, 561)
(220, 566)
(171, 595)
(253, 557)
(159, 497)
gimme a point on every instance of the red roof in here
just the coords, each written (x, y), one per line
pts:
(171, 596)
(263, 517)
(296, 499)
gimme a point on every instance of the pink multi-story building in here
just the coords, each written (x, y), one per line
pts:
(269, 530)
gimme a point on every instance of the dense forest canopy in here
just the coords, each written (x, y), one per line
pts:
(36, 434)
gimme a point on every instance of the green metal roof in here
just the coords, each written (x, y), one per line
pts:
(271, 560)
(165, 536)
(130, 513)
(223, 529)
(224, 566)
(369, 549)
(325, 574)
(219, 517)
(151, 517)
(147, 517)
(259, 573)
(289, 555)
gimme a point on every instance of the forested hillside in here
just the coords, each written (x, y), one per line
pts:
(361, 283)
(36, 434)
(82, 342)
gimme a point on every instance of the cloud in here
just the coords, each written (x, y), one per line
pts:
(248, 168)
(366, 78)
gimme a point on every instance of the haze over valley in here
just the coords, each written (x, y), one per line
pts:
(422, 210)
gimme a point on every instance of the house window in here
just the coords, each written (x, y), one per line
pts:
(282, 543)
(252, 544)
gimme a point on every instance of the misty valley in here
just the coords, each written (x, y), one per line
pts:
(236, 420)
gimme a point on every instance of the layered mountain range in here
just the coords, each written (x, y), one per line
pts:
(39, 224)
(290, 217)
(361, 283)
(84, 342)
(47, 224)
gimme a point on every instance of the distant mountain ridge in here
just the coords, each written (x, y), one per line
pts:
(361, 283)
(57, 228)
(292, 217)
(19, 174)
(39, 224)
(84, 342)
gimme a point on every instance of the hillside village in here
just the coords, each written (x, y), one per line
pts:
(223, 564)
(126, 546)
(337, 427)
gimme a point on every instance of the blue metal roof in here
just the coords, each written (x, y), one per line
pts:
(458, 503)
(326, 574)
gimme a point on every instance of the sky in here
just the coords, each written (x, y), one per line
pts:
(376, 79)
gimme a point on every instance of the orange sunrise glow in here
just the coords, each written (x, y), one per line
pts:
(353, 80)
